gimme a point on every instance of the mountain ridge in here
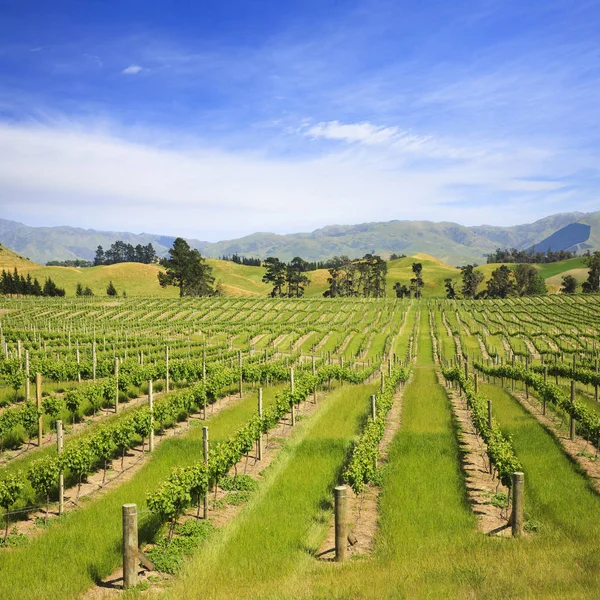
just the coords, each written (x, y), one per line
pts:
(451, 242)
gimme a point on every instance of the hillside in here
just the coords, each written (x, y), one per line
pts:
(453, 243)
(238, 280)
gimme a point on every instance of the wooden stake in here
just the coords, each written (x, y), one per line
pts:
(517, 511)
(130, 546)
(205, 453)
(260, 414)
(61, 475)
(341, 523)
(151, 407)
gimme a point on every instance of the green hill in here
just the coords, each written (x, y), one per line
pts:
(239, 280)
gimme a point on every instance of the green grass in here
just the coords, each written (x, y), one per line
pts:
(85, 547)
(280, 531)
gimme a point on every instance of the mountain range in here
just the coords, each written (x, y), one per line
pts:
(450, 242)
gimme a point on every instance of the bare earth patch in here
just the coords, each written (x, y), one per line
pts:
(482, 486)
(363, 509)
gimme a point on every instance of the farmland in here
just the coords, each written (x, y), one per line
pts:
(253, 519)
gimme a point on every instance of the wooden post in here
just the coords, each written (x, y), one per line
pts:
(490, 414)
(517, 511)
(151, 407)
(341, 525)
(260, 414)
(476, 382)
(38, 394)
(94, 360)
(596, 385)
(389, 367)
(61, 475)
(27, 382)
(572, 420)
(167, 363)
(130, 546)
(373, 407)
(116, 384)
(205, 453)
(382, 381)
(241, 375)
(78, 361)
(293, 403)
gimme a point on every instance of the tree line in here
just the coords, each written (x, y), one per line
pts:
(120, 252)
(512, 255)
(362, 277)
(13, 284)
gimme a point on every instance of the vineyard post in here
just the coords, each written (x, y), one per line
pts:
(167, 364)
(389, 366)
(476, 382)
(572, 420)
(27, 382)
(341, 525)
(205, 453)
(260, 414)
(490, 414)
(544, 400)
(518, 480)
(61, 475)
(38, 393)
(382, 381)
(241, 374)
(204, 366)
(596, 385)
(116, 384)
(94, 360)
(466, 369)
(78, 360)
(151, 408)
(130, 546)
(373, 407)
(293, 403)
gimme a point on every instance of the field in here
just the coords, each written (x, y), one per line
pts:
(243, 281)
(429, 477)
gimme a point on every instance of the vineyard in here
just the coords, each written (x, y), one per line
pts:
(229, 422)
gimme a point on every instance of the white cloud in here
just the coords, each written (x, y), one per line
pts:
(132, 70)
(365, 133)
(63, 174)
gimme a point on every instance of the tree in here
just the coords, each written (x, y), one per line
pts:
(296, 279)
(450, 291)
(569, 284)
(501, 284)
(593, 281)
(186, 269)
(79, 290)
(417, 282)
(88, 291)
(111, 290)
(528, 282)
(401, 290)
(470, 281)
(275, 275)
(99, 258)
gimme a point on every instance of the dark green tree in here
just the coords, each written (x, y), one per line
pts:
(79, 290)
(296, 279)
(416, 282)
(275, 275)
(593, 281)
(501, 284)
(186, 269)
(450, 291)
(569, 284)
(111, 290)
(470, 281)
(401, 290)
(528, 281)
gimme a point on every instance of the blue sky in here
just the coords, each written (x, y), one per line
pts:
(215, 120)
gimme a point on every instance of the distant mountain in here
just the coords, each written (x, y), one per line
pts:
(450, 242)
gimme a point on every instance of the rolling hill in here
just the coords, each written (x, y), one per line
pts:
(239, 280)
(450, 242)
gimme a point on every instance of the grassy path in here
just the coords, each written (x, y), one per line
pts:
(279, 532)
(86, 546)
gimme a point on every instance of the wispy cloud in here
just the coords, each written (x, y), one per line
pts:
(132, 70)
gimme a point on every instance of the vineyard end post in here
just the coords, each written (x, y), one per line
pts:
(341, 523)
